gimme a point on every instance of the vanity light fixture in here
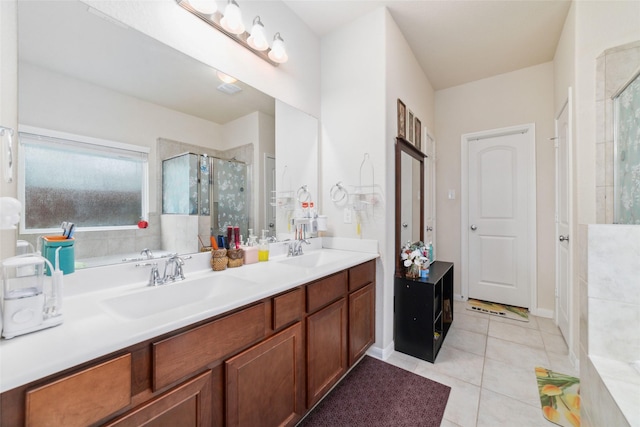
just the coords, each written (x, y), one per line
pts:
(257, 39)
(230, 24)
(278, 51)
(206, 7)
(232, 19)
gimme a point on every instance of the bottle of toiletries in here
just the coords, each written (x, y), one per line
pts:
(251, 249)
(430, 253)
(263, 247)
(230, 243)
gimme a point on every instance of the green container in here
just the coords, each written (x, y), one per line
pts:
(67, 254)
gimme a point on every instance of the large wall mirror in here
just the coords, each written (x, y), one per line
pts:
(409, 196)
(82, 73)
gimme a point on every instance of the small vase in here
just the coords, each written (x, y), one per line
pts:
(413, 271)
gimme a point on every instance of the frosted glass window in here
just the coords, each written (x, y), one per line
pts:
(90, 185)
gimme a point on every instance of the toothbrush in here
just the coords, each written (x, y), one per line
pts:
(72, 228)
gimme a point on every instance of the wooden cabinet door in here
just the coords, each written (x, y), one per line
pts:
(187, 405)
(82, 398)
(326, 349)
(265, 384)
(361, 322)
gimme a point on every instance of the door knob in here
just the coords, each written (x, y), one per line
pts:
(405, 225)
(474, 227)
(563, 238)
(429, 228)
(271, 225)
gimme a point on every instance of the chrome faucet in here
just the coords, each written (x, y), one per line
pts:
(295, 247)
(173, 271)
(178, 272)
(147, 252)
(154, 277)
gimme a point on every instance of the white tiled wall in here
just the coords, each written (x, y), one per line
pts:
(609, 323)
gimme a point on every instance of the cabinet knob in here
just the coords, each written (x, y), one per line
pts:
(405, 225)
(474, 227)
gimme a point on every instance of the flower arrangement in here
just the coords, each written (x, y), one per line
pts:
(414, 257)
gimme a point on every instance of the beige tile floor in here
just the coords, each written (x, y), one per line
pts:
(489, 364)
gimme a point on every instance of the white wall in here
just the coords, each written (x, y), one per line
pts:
(519, 97)
(366, 66)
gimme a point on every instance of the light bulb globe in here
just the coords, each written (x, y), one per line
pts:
(232, 19)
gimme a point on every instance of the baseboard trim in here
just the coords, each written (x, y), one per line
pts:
(543, 312)
(380, 353)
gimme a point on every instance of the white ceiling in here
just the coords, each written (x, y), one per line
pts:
(456, 41)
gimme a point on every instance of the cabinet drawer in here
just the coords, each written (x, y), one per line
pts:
(287, 308)
(184, 354)
(361, 275)
(83, 398)
(325, 291)
(188, 404)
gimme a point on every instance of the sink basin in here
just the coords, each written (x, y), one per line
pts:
(153, 300)
(313, 259)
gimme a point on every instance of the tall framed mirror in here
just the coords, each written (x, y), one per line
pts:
(409, 197)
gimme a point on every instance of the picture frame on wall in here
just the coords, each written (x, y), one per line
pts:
(410, 128)
(402, 119)
(418, 134)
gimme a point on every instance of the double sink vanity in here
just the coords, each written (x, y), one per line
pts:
(255, 345)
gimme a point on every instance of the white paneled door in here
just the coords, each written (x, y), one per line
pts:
(563, 219)
(499, 238)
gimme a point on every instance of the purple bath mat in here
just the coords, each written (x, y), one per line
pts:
(376, 393)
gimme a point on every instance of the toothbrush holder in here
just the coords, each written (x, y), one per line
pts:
(67, 253)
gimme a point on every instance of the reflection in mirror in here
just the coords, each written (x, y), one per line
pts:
(84, 74)
(409, 196)
(296, 166)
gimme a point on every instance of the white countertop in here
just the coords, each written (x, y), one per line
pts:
(91, 330)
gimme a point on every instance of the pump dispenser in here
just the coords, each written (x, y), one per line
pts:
(251, 249)
(263, 247)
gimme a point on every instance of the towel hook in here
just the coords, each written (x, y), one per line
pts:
(338, 192)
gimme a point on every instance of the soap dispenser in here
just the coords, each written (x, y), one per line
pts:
(251, 249)
(263, 247)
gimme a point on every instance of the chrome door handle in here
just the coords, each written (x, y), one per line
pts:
(474, 227)
(405, 225)
(429, 228)
(563, 238)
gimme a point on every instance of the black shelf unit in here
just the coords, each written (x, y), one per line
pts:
(423, 311)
